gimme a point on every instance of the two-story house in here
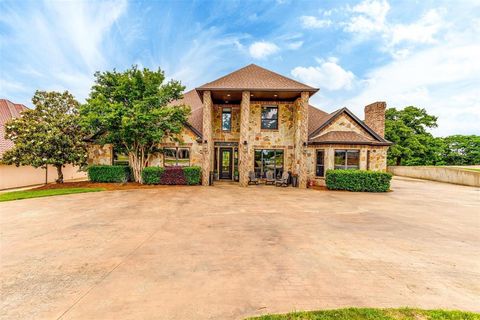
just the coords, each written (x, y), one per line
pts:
(255, 120)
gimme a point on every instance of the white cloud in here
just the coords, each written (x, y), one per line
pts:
(369, 16)
(262, 49)
(422, 31)
(294, 45)
(328, 74)
(311, 22)
(444, 79)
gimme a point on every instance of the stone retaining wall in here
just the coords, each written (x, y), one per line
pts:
(455, 175)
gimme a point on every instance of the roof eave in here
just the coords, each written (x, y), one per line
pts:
(373, 143)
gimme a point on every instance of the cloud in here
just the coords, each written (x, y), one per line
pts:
(328, 74)
(369, 16)
(294, 45)
(444, 79)
(262, 49)
(422, 31)
(311, 22)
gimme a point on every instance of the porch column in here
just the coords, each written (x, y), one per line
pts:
(301, 137)
(244, 150)
(207, 137)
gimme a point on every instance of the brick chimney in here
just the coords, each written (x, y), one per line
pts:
(375, 117)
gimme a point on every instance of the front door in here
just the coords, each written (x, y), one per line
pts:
(226, 163)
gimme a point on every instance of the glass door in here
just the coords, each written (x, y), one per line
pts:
(226, 163)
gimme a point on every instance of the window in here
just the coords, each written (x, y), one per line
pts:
(270, 117)
(268, 160)
(120, 159)
(320, 165)
(226, 119)
(347, 159)
(176, 157)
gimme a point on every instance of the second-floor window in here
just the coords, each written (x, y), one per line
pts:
(226, 119)
(269, 117)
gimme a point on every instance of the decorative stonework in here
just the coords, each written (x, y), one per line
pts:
(208, 137)
(245, 161)
(375, 117)
(301, 137)
(188, 139)
(344, 123)
(98, 154)
(228, 136)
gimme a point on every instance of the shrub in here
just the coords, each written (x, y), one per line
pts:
(151, 175)
(192, 175)
(104, 173)
(358, 180)
(171, 175)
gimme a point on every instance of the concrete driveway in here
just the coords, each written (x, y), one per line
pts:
(225, 252)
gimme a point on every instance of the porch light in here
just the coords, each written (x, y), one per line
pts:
(245, 142)
(251, 95)
(226, 101)
(204, 141)
(275, 95)
(228, 95)
(304, 144)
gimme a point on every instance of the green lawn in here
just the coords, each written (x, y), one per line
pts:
(374, 314)
(17, 195)
(472, 169)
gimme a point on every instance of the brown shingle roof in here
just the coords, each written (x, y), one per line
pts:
(316, 117)
(253, 77)
(345, 137)
(8, 110)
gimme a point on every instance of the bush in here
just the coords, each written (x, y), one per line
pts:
(192, 175)
(103, 173)
(171, 175)
(151, 175)
(358, 180)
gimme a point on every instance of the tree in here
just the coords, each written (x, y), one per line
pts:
(413, 144)
(131, 111)
(462, 150)
(49, 134)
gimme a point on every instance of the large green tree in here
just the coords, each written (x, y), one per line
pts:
(131, 111)
(461, 150)
(50, 134)
(413, 144)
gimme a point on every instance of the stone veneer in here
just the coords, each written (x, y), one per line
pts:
(207, 137)
(244, 146)
(375, 117)
(377, 161)
(100, 155)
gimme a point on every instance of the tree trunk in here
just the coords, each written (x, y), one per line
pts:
(137, 164)
(59, 174)
(399, 161)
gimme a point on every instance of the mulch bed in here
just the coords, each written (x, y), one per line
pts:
(107, 186)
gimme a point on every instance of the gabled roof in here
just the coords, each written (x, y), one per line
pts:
(315, 116)
(253, 77)
(8, 110)
(344, 136)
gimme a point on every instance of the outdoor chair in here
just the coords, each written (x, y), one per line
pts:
(283, 181)
(252, 179)
(270, 178)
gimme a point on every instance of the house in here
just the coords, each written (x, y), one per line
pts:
(255, 120)
(15, 177)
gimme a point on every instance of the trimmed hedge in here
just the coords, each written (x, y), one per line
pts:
(105, 173)
(151, 175)
(171, 175)
(192, 175)
(358, 180)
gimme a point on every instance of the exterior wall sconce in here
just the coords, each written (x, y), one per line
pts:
(205, 141)
(304, 144)
(245, 142)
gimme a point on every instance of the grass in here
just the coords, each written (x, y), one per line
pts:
(471, 169)
(18, 195)
(374, 314)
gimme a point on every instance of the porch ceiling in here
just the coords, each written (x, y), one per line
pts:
(235, 96)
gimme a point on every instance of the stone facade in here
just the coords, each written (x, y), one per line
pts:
(100, 155)
(227, 136)
(207, 137)
(375, 117)
(371, 158)
(244, 153)
(344, 123)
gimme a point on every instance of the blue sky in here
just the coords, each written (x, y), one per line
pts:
(422, 53)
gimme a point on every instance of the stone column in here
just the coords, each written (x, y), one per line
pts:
(208, 137)
(244, 150)
(301, 137)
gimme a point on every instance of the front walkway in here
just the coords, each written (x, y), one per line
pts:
(227, 252)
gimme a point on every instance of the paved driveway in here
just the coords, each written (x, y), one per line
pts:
(225, 252)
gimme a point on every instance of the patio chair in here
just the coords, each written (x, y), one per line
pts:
(283, 181)
(270, 178)
(252, 179)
